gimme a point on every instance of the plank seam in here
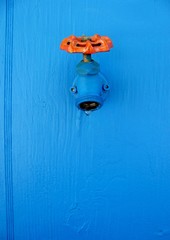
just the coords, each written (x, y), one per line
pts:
(8, 119)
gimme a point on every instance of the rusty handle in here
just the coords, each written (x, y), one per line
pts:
(86, 45)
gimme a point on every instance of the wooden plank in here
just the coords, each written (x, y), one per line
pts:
(2, 159)
(8, 63)
(105, 176)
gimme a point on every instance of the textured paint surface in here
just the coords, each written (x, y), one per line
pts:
(2, 172)
(8, 64)
(101, 177)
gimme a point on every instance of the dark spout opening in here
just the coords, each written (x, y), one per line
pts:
(87, 106)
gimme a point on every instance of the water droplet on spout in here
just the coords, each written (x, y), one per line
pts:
(87, 113)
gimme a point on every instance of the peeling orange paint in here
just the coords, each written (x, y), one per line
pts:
(86, 45)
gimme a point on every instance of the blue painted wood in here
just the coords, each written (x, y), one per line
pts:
(8, 119)
(2, 168)
(105, 176)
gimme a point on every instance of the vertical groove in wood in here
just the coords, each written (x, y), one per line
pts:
(8, 119)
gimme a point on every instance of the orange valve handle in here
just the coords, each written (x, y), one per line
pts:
(86, 45)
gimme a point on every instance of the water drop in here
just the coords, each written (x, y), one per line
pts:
(87, 113)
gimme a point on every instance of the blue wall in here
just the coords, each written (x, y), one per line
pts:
(66, 176)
